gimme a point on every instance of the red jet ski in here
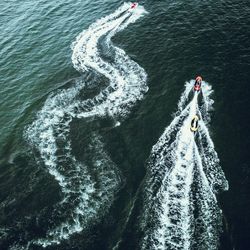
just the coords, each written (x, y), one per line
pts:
(197, 84)
(133, 5)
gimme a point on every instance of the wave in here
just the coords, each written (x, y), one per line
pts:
(180, 206)
(88, 188)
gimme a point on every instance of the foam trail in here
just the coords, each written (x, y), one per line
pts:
(88, 189)
(180, 206)
(127, 78)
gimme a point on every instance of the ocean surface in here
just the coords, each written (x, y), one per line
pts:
(96, 101)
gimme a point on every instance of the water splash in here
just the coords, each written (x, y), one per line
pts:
(180, 206)
(87, 196)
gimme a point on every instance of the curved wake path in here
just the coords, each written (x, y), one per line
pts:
(88, 189)
(180, 206)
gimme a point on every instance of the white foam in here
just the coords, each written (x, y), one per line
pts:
(181, 168)
(127, 78)
(87, 198)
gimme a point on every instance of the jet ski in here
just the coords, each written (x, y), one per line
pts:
(133, 5)
(197, 84)
(194, 124)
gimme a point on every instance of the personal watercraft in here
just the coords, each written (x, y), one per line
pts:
(194, 124)
(197, 84)
(133, 5)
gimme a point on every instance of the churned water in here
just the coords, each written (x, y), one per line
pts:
(96, 101)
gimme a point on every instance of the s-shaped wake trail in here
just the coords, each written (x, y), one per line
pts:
(88, 188)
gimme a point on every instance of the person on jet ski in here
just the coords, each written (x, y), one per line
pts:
(134, 5)
(197, 84)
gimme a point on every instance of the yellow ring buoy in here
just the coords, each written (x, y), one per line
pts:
(194, 123)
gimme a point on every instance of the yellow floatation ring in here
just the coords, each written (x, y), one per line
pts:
(194, 123)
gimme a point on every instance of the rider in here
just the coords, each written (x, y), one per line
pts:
(198, 81)
(133, 5)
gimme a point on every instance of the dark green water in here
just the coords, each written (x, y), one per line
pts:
(173, 43)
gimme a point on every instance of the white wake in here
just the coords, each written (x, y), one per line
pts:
(180, 206)
(87, 196)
